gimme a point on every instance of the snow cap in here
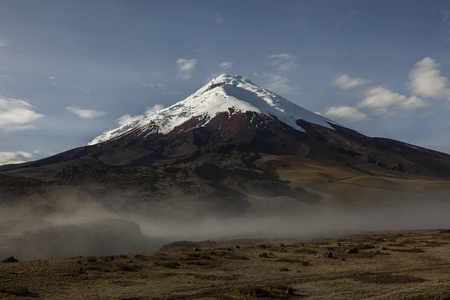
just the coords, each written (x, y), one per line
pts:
(220, 94)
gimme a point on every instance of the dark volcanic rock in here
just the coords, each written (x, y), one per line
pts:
(10, 260)
(352, 251)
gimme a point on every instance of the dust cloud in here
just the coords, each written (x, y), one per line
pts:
(95, 232)
(326, 221)
(89, 231)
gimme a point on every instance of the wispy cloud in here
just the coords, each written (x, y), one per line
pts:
(14, 157)
(284, 62)
(125, 119)
(226, 65)
(148, 112)
(412, 102)
(3, 43)
(153, 109)
(345, 82)
(426, 80)
(15, 114)
(279, 84)
(347, 113)
(185, 68)
(85, 113)
(154, 85)
(52, 80)
(218, 19)
(6, 77)
(446, 16)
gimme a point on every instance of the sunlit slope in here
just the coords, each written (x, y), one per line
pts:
(341, 184)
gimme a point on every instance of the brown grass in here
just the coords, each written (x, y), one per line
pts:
(291, 271)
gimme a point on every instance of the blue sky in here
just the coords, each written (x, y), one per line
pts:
(70, 70)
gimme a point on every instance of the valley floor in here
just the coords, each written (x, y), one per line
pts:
(395, 265)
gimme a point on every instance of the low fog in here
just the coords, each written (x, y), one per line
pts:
(93, 232)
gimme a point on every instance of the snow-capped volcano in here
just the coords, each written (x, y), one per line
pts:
(230, 149)
(225, 93)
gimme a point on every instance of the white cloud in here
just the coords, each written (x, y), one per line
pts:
(426, 80)
(14, 157)
(278, 84)
(85, 113)
(412, 102)
(380, 98)
(186, 65)
(345, 82)
(226, 65)
(15, 114)
(346, 113)
(3, 43)
(185, 68)
(284, 62)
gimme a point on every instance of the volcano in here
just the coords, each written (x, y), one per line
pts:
(231, 148)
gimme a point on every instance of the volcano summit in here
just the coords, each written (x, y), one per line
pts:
(232, 95)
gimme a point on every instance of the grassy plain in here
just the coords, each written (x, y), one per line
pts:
(386, 265)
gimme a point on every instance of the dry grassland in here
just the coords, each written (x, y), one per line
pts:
(399, 265)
